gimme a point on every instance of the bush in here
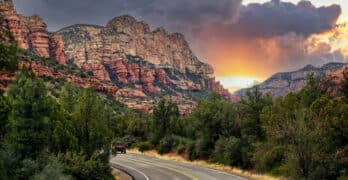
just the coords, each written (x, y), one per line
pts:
(144, 146)
(227, 151)
(53, 171)
(165, 145)
(78, 165)
(180, 149)
(268, 157)
(190, 150)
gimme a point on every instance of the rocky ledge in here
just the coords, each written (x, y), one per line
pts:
(132, 62)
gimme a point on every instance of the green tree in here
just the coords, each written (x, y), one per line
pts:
(251, 131)
(4, 112)
(165, 116)
(29, 115)
(212, 119)
(8, 56)
(90, 123)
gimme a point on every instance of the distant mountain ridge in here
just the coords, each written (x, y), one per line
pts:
(280, 84)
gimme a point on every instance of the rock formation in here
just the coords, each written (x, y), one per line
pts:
(281, 84)
(31, 33)
(57, 48)
(331, 82)
(124, 58)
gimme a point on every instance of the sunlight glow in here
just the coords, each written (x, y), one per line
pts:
(235, 83)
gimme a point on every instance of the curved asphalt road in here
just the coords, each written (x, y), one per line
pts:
(149, 168)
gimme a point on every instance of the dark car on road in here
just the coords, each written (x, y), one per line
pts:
(120, 147)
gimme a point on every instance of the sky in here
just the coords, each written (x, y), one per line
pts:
(246, 41)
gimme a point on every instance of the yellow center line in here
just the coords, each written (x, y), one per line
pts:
(165, 167)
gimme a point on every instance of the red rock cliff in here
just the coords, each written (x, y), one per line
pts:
(31, 33)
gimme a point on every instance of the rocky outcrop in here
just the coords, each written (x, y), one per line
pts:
(331, 83)
(281, 84)
(133, 54)
(42, 70)
(127, 36)
(124, 58)
(57, 48)
(219, 89)
(98, 71)
(30, 33)
(13, 24)
(158, 47)
(36, 34)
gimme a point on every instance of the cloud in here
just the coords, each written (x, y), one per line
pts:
(257, 39)
(278, 18)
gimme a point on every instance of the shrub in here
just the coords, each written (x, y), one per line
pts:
(144, 146)
(190, 150)
(268, 157)
(180, 149)
(166, 144)
(227, 151)
(78, 165)
(53, 171)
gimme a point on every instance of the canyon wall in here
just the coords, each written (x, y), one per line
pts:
(31, 33)
(139, 65)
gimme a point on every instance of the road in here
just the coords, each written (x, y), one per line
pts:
(148, 168)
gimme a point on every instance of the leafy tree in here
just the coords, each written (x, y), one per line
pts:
(252, 106)
(68, 97)
(227, 151)
(90, 124)
(310, 92)
(165, 115)
(251, 131)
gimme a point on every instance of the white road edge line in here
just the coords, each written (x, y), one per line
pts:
(147, 178)
(167, 162)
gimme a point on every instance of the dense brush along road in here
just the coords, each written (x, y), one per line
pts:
(148, 168)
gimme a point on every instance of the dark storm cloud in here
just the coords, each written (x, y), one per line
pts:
(157, 12)
(61, 13)
(278, 18)
(187, 16)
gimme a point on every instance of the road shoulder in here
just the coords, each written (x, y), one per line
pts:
(177, 158)
(120, 175)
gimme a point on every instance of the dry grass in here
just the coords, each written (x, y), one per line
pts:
(178, 158)
(120, 175)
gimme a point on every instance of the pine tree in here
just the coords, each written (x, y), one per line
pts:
(29, 115)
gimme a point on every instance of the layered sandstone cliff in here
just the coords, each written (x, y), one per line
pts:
(126, 35)
(132, 54)
(124, 59)
(31, 33)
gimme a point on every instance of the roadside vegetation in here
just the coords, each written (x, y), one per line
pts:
(300, 136)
